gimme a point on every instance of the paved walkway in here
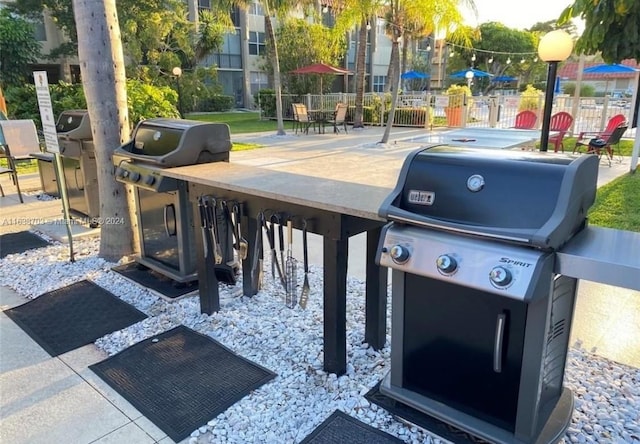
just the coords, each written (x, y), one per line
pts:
(55, 400)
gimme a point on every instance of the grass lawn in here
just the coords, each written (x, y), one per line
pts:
(242, 122)
(618, 204)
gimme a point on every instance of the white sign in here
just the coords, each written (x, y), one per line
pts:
(442, 101)
(46, 111)
(511, 102)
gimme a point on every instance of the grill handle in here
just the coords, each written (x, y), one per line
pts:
(497, 345)
(168, 230)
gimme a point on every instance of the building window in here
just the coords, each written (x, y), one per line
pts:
(256, 9)
(256, 43)
(235, 16)
(258, 80)
(378, 83)
(204, 4)
(230, 54)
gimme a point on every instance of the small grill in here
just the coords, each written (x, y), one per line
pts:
(164, 215)
(79, 162)
(480, 321)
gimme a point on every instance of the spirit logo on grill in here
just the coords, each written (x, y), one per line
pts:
(419, 197)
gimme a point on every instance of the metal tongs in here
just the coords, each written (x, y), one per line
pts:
(212, 225)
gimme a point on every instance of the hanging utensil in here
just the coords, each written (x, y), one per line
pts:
(306, 289)
(290, 270)
(209, 207)
(257, 273)
(275, 266)
(281, 240)
(242, 244)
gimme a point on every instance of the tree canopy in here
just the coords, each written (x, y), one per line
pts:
(611, 28)
(18, 48)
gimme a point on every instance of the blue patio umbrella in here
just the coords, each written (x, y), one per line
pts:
(476, 73)
(410, 75)
(504, 79)
(608, 69)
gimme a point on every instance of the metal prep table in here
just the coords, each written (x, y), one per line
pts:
(324, 185)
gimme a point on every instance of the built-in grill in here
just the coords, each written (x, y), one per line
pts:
(480, 321)
(78, 155)
(164, 214)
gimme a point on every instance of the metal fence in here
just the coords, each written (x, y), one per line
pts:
(412, 110)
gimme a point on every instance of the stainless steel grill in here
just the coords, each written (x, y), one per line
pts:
(79, 162)
(164, 215)
(480, 321)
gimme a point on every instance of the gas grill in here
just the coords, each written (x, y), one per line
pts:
(79, 163)
(480, 321)
(164, 215)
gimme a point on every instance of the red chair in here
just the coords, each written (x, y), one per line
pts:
(526, 119)
(614, 122)
(560, 123)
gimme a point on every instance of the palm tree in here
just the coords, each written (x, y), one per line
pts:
(428, 16)
(103, 79)
(359, 13)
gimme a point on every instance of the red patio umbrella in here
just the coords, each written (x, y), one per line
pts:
(320, 68)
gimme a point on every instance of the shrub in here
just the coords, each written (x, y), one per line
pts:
(215, 103)
(144, 101)
(457, 95)
(531, 98)
(266, 100)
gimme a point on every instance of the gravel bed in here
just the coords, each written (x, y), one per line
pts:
(289, 342)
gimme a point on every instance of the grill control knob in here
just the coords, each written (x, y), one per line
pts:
(120, 172)
(134, 177)
(149, 180)
(399, 254)
(446, 264)
(500, 276)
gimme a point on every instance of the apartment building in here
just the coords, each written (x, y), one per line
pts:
(238, 61)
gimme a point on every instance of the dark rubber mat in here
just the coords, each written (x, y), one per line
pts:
(155, 281)
(426, 422)
(70, 317)
(340, 428)
(20, 242)
(180, 379)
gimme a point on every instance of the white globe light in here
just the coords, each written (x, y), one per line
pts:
(177, 71)
(555, 46)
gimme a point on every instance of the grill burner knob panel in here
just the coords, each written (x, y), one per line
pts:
(500, 276)
(446, 264)
(399, 254)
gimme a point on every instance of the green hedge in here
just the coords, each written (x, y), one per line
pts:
(215, 103)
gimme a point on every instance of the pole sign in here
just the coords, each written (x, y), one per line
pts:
(46, 111)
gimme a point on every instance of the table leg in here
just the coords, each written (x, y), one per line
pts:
(375, 331)
(335, 305)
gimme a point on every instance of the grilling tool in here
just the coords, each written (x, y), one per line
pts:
(275, 266)
(256, 266)
(306, 289)
(290, 270)
(242, 244)
(210, 212)
(224, 271)
(281, 241)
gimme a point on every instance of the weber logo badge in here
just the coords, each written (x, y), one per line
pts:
(422, 197)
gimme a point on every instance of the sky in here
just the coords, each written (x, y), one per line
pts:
(520, 14)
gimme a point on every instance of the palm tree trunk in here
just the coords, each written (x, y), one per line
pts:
(103, 79)
(277, 84)
(395, 62)
(361, 70)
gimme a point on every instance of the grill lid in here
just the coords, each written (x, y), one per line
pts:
(532, 198)
(74, 124)
(178, 142)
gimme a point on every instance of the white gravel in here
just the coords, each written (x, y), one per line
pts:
(289, 342)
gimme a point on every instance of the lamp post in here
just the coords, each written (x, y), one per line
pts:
(177, 71)
(469, 76)
(554, 47)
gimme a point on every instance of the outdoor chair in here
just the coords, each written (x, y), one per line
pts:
(602, 145)
(526, 119)
(339, 118)
(18, 139)
(614, 122)
(302, 118)
(560, 123)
